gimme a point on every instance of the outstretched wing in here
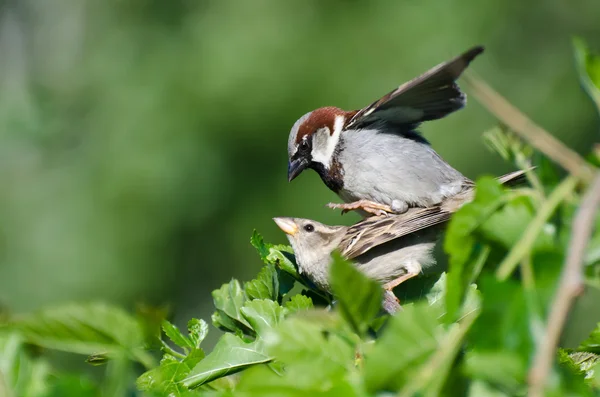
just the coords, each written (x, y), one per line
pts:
(372, 232)
(430, 96)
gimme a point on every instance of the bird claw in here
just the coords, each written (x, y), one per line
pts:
(370, 207)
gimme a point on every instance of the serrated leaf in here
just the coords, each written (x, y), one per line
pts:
(175, 335)
(299, 302)
(588, 66)
(85, 329)
(230, 355)
(168, 376)
(408, 341)
(359, 298)
(281, 256)
(265, 285)
(228, 301)
(258, 242)
(262, 315)
(198, 329)
(592, 343)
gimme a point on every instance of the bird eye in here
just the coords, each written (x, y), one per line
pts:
(309, 228)
(304, 145)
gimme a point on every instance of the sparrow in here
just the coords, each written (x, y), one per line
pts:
(389, 249)
(374, 159)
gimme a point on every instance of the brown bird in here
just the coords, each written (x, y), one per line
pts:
(388, 249)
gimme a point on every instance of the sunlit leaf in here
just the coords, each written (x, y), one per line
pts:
(230, 355)
(265, 285)
(198, 329)
(262, 315)
(592, 343)
(410, 338)
(228, 300)
(359, 298)
(168, 376)
(299, 302)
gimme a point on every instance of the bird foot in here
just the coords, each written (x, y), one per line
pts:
(391, 303)
(370, 207)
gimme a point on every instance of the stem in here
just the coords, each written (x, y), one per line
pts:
(523, 246)
(569, 288)
(171, 351)
(526, 128)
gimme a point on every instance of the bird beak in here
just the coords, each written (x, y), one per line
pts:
(287, 225)
(295, 167)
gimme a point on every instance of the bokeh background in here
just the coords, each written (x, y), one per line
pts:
(141, 142)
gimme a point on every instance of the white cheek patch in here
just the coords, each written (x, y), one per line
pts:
(324, 145)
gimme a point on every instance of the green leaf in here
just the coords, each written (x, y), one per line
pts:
(265, 285)
(500, 341)
(230, 355)
(258, 242)
(283, 257)
(359, 298)
(198, 329)
(408, 341)
(465, 255)
(85, 329)
(261, 381)
(483, 389)
(316, 348)
(507, 144)
(299, 302)
(262, 315)
(506, 225)
(498, 367)
(20, 374)
(168, 376)
(592, 343)
(228, 301)
(588, 66)
(175, 335)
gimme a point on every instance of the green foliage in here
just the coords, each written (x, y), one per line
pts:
(474, 332)
(359, 298)
(588, 65)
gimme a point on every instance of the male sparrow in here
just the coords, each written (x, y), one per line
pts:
(374, 158)
(388, 249)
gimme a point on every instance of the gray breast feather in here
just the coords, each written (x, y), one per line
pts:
(384, 167)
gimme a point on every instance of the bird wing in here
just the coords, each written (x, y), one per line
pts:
(372, 232)
(430, 96)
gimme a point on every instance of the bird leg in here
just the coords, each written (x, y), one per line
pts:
(368, 206)
(394, 283)
(391, 303)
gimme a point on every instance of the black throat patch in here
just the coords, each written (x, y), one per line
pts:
(334, 178)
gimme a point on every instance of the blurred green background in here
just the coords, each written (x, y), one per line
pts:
(141, 142)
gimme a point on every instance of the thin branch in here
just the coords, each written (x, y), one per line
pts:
(523, 246)
(570, 286)
(526, 128)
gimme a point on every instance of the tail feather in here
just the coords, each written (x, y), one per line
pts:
(515, 178)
